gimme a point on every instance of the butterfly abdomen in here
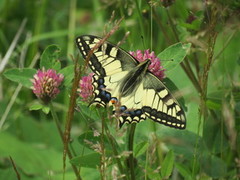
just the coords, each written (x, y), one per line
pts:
(133, 79)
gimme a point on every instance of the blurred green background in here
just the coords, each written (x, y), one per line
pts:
(207, 149)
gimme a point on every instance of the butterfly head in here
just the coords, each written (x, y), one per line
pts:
(143, 66)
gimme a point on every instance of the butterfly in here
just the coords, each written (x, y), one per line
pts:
(119, 79)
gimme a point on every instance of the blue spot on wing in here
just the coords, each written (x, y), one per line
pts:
(108, 96)
(138, 112)
(100, 81)
(123, 108)
(101, 86)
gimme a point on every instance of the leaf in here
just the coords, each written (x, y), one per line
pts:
(167, 165)
(35, 107)
(38, 106)
(213, 104)
(46, 109)
(22, 76)
(88, 173)
(91, 160)
(213, 137)
(152, 173)
(68, 73)
(31, 159)
(184, 171)
(49, 58)
(182, 142)
(90, 112)
(173, 55)
(140, 148)
(93, 138)
(57, 65)
(196, 21)
(195, 25)
(214, 166)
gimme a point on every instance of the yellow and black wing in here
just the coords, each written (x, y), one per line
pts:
(138, 93)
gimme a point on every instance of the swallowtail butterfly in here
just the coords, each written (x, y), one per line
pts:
(119, 78)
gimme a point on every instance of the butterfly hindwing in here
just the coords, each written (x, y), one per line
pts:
(148, 98)
(160, 105)
(101, 96)
(155, 102)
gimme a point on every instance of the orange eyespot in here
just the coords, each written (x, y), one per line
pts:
(113, 101)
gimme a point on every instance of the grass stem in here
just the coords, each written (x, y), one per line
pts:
(56, 120)
(130, 148)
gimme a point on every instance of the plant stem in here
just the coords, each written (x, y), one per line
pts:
(66, 135)
(15, 168)
(70, 43)
(151, 29)
(55, 118)
(71, 26)
(172, 25)
(130, 148)
(203, 114)
(18, 89)
(102, 166)
(226, 43)
(38, 26)
(140, 18)
(14, 43)
(161, 26)
(185, 64)
(115, 151)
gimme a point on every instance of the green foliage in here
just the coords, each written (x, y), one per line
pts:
(214, 166)
(34, 160)
(49, 58)
(21, 76)
(167, 165)
(68, 73)
(173, 55)
(21, 154)
(89, 140)
(90, 112)
(140, 148)
(38, 106)
(184, 171)
(202, 37)
(89, 160)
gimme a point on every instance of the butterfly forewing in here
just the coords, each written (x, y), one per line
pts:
(112, 66)
(107, 59)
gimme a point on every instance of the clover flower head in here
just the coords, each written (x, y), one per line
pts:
(46, 84)
(155, 66)
(85, 87)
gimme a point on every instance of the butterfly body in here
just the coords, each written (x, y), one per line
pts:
(132, 80)
(134, 91)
